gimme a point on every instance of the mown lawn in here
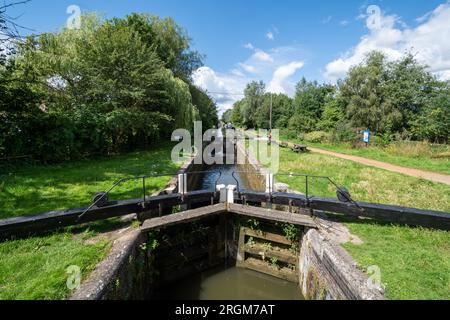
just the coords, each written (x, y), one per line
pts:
(36, 267)
(364, 183)
(414, 262)
(39, 189)
(436, 162)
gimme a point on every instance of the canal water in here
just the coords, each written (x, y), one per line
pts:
(231, 284)
(224, 177)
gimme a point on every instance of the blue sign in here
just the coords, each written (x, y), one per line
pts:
(366, 138)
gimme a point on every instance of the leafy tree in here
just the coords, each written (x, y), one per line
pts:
(332, 115)
(363, 94)
(99, 89)
(433, 123)
(171, 42)
(206, 107)
(408, 88)
(253, 97)
(227, 116)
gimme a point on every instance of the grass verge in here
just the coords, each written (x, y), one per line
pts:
(393, 154)
(36, 268)
(34, 190)
(414, 262)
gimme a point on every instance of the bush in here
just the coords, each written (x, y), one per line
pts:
(381, 141)
(344, 133)
(410, 149)
(318, 137)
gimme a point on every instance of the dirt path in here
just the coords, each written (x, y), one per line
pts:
(431, 176)
(427, 175)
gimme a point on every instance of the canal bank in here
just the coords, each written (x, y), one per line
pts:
(144, 264)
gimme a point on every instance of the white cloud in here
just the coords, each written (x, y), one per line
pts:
(263, 56)
(344, 23)
(270, 35)
(276, 67)
(429, 41)
(249, 68)
(223, 87)
(249, 46)
(279, 82)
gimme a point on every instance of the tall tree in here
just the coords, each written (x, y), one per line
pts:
(171, 42)
(254, 93)
(363, 93)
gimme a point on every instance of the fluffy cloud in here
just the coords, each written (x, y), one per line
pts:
(276, 67)
(270, 35)
(263, 56)
(429, 41)
(225, 88)
(279, 82)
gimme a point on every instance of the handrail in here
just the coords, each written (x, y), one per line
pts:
(340, 190)
(121, 181)
(144, 189)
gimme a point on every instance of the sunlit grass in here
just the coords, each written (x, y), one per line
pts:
(414, 262)
(35, 268)
(435, 159)
(34, 190)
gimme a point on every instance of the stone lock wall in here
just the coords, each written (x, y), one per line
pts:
(327, 272)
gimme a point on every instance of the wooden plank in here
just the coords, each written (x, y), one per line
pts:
(281, 255)
(272, 215)
(266, 236)
(182, 218)
(264, 267)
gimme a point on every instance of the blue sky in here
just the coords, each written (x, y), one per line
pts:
(279, 41)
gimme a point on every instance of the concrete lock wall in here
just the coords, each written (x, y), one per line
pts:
(327, 272)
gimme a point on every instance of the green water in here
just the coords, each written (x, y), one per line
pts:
(231, 284)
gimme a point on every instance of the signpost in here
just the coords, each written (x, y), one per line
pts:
(366, 138)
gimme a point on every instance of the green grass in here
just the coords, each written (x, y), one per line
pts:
(35, 268)
(422, 162)
(414, 262)
(364, 183)
(34, 190)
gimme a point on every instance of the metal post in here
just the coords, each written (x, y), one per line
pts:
(307, 188)
(271, 110)
(230, 194)
(269, 183)
(144, 189)
(182, 184)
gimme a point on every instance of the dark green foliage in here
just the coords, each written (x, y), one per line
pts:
(396, 100)
(109, 87)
